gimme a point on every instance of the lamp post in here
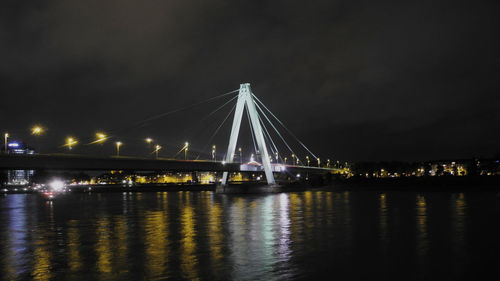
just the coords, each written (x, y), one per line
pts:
(37, 131)
(241, 157)
(308, 161)
(284, 159)
(157, 148)
(186, 147)
(328, 163)
(118, 144)
(319, 162)
(213, 152)
(6, 137)
(70, 142)
(276, 155)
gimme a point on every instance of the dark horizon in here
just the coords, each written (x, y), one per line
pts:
(354, 80)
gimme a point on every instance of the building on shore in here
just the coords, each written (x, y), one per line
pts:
(19, 177)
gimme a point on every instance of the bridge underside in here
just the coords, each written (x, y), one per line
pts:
(76, 162)
(84, 163)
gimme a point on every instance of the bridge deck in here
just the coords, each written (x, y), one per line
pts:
(87, 163)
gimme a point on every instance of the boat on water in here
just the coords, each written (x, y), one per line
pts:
(54, 189)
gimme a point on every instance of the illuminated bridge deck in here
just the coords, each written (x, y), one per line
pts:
(88, 163)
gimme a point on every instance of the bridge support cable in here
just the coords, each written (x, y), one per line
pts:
(275, 129)
(184, 108)
(251, 132)
(191, 128)
(219, 127)
(290, 132)
(269, 138)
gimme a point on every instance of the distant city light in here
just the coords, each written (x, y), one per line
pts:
(13, 144)
(56, 185)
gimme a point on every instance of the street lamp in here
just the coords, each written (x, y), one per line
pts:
(118, 144)
(186, 146)
(328, 163)
(157, 148)
(241, 157)
(284, 159)
(307, 158)
(293, 159)
(319, 162)
(6, 137)
(213, 152)
(37, 131)
(100, 138)
(276, 155)
(70, 142)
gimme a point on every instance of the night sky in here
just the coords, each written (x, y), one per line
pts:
(354, 80)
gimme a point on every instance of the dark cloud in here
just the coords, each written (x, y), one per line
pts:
(354, 79)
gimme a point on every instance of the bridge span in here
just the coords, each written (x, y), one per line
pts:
(60, 162)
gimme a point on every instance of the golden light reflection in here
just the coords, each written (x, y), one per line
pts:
(308, 220)
(329, 207)
(74, 262)
(42, 265)
(103, 247)
(188, 244)
(459, 207)
(383, 217)
(156, 242)
(421, 209)
(295, 207)
(120, 236)
(216, 236)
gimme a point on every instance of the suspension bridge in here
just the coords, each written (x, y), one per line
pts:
(268, 136)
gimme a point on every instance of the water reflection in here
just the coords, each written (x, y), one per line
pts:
(103, 248)
(202, 235)
(74, 257)
(188, 234)
(458, 221)
(44, 240)
(383, 219)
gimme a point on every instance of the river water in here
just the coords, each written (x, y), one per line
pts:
(311, 235)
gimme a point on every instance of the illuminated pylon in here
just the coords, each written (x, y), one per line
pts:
(245, 97)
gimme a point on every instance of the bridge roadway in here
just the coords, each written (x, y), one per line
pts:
(87, 163)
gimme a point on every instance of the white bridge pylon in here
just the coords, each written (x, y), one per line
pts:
(245, 98)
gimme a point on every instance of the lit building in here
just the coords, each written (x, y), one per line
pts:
(19, 177)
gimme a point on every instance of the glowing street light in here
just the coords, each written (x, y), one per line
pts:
(118, 144)
(100, 138)
(70, 142)
(328, 163)
(276, 155)
(308, 161)
(241, 156)
(6, 137)
(319, 162)
(186, 147)
(157, 148)
(37, 130)
(284, 159)
(213, 152)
